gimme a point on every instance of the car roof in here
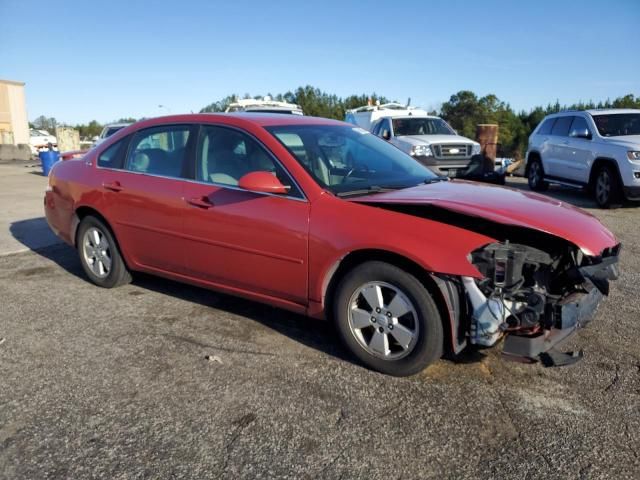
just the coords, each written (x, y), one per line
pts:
(255, 118)
(393, 117)
(594, 111)
(608, 111)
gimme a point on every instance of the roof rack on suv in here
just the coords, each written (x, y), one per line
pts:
(265, 104)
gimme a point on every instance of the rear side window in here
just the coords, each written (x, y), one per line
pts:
(113, 157)
(561, 127)
(160, 151)
(547, 125)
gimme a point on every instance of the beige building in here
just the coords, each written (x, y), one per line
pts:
(14, 125)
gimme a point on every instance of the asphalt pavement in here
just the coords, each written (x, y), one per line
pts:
(162, 380)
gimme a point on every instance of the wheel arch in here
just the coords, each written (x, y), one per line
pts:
(532, 155)
(440, 288)
(83, 211)
(597, 164)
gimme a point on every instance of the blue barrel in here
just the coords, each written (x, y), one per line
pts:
(48, 158)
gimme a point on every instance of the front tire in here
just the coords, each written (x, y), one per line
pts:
(535, 176)
(99, 254)
(607, 189)
(387, 319)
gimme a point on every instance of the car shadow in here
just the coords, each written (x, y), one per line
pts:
(316, 334)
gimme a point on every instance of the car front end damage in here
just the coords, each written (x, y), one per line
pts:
(535, 297)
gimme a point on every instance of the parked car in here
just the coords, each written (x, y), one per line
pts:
(325, 219)
(595, 150)
(264, 105)
(107, 131)
(429, 139)
(40, 140)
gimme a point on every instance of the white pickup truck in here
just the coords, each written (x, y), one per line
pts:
(426, 137)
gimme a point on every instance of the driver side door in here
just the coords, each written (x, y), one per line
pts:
(246, 241)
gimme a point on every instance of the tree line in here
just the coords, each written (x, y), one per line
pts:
(463, 111)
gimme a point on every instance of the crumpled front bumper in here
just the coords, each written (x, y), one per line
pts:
(573, 312)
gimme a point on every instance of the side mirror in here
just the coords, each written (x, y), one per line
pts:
(386, 134)
(96, 138)
(581, 133)
(263, 182)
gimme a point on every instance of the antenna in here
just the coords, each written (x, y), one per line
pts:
(408, 101)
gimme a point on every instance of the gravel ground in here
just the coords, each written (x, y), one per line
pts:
(161, 380)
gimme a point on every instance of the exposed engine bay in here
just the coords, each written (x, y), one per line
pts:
(538, 297)
(537, 288)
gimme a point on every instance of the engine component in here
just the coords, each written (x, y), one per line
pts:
(487, 316)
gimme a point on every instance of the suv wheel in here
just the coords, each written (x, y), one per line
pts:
(387, 319)
(536, 176)
(606, 187)
(99, 254)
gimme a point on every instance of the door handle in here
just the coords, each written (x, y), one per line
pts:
(566, 142)
(113, 186)
(200, 202)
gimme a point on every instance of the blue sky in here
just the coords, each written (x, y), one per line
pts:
(84, 60)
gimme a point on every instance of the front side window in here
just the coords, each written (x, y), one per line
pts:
(617, 124)
(159, 151)
(421, 126)
(561, 127)
(347, 160)
(578, 127)
(225, 155)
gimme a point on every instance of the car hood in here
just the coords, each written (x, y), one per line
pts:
(630, 141)
(428, 139)
(506, 206)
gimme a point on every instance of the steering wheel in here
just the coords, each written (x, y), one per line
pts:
(354, 169)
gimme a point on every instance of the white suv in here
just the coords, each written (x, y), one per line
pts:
(597, 150)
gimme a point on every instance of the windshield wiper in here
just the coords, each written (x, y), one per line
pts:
(436, 180)
(370, 189)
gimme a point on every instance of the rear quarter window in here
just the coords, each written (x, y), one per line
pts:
(113, 156)
(546, 127)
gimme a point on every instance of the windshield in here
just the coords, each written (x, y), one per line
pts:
(111, 130)
(618, 124)
(421, 126)
(350, 160)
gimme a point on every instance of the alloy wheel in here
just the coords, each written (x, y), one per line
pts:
(97, 252)
(603, 187)
(534, 174)
(383, 320)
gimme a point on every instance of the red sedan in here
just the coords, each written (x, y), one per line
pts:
(322, 218)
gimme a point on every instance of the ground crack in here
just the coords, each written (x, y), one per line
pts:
(616, 378)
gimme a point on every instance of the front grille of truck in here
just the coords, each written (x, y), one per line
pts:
(452, 151)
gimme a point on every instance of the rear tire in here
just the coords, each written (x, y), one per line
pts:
(99, 254)
(607, 189)
(535, 176)
(387, 319)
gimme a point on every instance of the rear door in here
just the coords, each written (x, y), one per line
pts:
(250, 241)
(143, 196)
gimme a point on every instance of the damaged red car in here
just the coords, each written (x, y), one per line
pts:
(322, 218)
